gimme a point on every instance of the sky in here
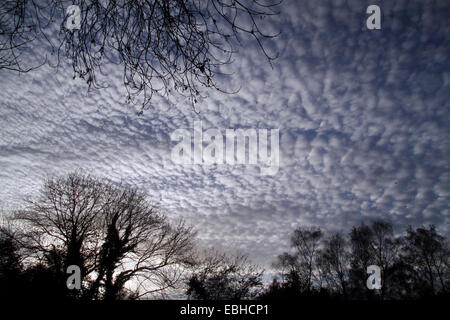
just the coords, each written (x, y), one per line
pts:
(363, 118)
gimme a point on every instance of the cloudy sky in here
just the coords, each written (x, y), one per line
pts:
(363, 116)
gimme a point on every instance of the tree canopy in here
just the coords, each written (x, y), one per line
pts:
(112, 233)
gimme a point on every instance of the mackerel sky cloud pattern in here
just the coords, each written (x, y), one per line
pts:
(363, 117)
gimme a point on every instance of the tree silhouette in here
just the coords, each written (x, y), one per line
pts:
(413, 266)
(221, 277)
(112, 233)
(10, 264)
(127, 249)
(428, 254)
(373, 244)
(178, 45)
(333, 264)
(385, 248)
(299, 267)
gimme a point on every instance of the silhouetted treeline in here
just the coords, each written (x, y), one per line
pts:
(413, 266)
(126, 249)
(222, 277)
(113, 235)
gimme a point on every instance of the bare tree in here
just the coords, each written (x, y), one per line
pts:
(16, 32)
(414, 266)
(114, 234)
(375, 244)
(385, 248)
(10, 260)
(301, 264)
(333, 263)
(163, 45)
(428, 254)
(362, 256)
(220, 277)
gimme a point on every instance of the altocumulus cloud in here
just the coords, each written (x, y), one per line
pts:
(364, 120)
